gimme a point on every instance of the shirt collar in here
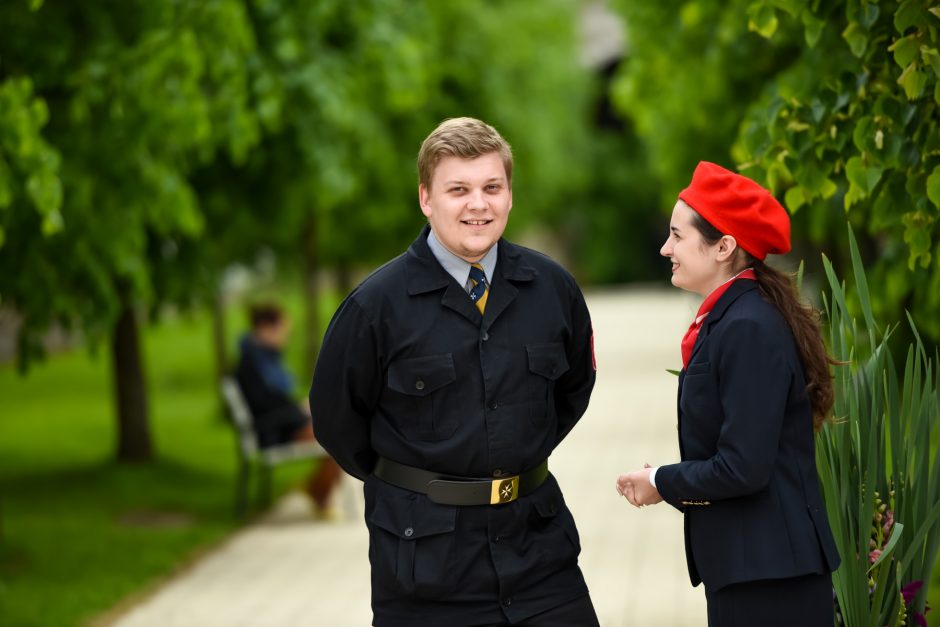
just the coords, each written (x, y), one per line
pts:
(460, 268)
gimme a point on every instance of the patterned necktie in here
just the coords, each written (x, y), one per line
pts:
(479, 290)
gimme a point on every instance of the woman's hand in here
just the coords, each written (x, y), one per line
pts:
(636, 488)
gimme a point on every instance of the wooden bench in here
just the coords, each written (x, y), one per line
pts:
(261, 461)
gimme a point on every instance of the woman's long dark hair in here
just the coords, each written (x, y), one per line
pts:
(803, 320)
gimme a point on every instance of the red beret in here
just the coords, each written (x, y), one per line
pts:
(737, 206)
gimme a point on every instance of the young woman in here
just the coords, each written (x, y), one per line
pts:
(754, 387)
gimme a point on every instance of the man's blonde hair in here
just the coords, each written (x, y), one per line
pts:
(467, 138)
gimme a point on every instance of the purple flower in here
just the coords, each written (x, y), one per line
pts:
(910, 591)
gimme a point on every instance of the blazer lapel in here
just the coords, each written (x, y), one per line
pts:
(739, 287)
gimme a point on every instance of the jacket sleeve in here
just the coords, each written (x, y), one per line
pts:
(753, 382)
(345, 389)
(573, 389)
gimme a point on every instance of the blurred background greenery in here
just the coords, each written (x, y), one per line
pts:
(164, 162)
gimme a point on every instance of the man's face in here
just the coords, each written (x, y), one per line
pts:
(468, 204)
(274, 334)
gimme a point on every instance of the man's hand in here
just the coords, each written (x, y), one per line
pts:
(636, 488)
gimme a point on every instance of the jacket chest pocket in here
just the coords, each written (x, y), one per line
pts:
(419, 384)
(547, 362)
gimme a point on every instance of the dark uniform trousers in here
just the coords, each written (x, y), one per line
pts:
(756, 531)
(579, 612)
(804, 601)
(411, 371)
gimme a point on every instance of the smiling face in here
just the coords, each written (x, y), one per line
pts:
(468, 204)
(697, 266)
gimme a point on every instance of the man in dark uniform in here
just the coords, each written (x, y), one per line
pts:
(445, 381)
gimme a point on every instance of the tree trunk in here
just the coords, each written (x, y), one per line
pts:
(311, 295)
(134, 442)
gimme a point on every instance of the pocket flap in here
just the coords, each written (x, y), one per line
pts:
(419, 376)
(412, 519)
(547, 502)
(547, 360)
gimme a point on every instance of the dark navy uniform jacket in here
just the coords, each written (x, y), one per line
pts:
(747, 483)
(411, 371)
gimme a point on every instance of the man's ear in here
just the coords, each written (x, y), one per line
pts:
(424, 199)
(726, 247)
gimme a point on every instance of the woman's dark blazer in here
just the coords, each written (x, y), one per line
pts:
(747, 482)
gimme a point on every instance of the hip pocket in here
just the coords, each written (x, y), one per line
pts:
(553, 528)
(412, 545)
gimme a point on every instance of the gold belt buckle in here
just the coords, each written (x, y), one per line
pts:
(504, 490)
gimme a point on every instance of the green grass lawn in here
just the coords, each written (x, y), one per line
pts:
(78, 532)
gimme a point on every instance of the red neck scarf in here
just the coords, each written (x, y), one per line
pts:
(688, 340)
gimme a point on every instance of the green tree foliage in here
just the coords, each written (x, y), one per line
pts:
(137, 94)
(833, 105)
(692, 69)
(355, 88)
(146, 146)
(29, 166)
(852, 127)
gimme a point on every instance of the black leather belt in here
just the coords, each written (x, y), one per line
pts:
(450, 490)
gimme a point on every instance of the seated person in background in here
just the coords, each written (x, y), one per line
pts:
(268, 389)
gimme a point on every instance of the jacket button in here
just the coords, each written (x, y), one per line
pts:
(497, 538)
(498, 472)
(409, 532)
(507, 601)
(419, 384)
(485, 336)
(493, 405)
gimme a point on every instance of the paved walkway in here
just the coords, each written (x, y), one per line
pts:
(289, 571)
